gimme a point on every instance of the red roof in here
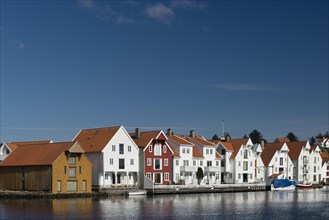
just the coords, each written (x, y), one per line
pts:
(12, 145)
(237, 144)
(179, 140)
(95, 139)
(201, 140)
(145, 137)
(197, 153)
(269, 151)
(282, 140)
(37, 154)
(295, 148)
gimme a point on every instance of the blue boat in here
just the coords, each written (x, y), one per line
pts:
(283, 184)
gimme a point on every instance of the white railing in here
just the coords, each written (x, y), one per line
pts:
(212, 169)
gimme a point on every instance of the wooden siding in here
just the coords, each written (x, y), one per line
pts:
(32, 178)
(61, 170)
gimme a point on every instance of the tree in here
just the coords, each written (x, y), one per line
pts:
(326, 135)
(256, 137)
(312, 141)
(319, 136)
(292, 137)
(215, 137)
(245, 136)
(199, 175)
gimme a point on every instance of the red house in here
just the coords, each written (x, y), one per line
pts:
(155, 157)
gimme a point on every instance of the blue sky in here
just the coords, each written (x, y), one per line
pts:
(69, 65)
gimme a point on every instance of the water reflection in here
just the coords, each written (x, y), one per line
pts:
(301, 204)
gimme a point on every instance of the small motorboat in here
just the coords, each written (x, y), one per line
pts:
(137, 193)
(304, 185)
(283, 184)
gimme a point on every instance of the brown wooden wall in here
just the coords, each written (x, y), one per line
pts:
(34, 178)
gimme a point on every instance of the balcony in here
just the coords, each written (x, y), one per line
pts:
(212, 169)
(188, 168)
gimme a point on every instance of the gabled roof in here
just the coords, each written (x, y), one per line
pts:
(145, 137)
(197, 153)
(228, 146)
(200, 140)
(12, 145)
(269, 151)
(40, 154)
(237, 144)
(295, 148)
(282, 140)
(95, 139)
(180, 140)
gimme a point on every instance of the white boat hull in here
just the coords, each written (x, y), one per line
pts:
(291, 187)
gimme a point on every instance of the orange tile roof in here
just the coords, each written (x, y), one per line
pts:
(295, 148)
(197, 153)
(36, 154)
(12, 145)
(269, 151)
(228, 145)
(95, 139)
(201, 140)
(179, 140)
(145, 138)
(282, 140)
(236, 144)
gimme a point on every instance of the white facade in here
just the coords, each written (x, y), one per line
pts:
(325, 169)
(259, 164)
(280, 165)
(315, 163)
(244, 164)
(4, 152)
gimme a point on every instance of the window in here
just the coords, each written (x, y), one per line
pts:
(121, 163)
(84, 185)
(157, 164)
(276, 159)
(129, 148)
(148, 175)
(71, 186)
(150, 148)
(80, 169)
(185, 162)
(177, 162)
(157, 149)
(217, 163)
(314, 169)
(239, 176)
(131, 161)
(201, 163)
(165, 162)
(207, 151)
(314, 178)
(164, 148)
(121, 148)
(187, 150)
(281, 161)
(251, 164)
(113, 147)
(245, 166)
(106, 176)
(211, 151)
(183, 151)
(72, 160)
(59, 185)
(245, 154)
(239, 164)
(209, 163)
(166, 176)
(111, 161)
(223, 151)
(194, 163)
(149, 162)
(72, 172)
(314, 159)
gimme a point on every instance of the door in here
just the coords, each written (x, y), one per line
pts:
(245, 177)
(119, 179)
(157, 178)
(113, 178)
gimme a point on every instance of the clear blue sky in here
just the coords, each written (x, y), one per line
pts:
(68, 65)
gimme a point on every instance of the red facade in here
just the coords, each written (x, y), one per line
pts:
(158, 161)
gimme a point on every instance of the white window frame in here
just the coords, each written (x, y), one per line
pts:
(149, 175)
(111, 161)
(113, 147)
(129, 148)
(160, 163)
(165, 162)
(131, 161)
(166, 176)
(149, 161)
(164, 148)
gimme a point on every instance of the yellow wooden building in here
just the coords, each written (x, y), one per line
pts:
(51, 167)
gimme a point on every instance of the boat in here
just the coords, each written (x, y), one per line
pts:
(304, 185)
(283, 184)
(137, 193)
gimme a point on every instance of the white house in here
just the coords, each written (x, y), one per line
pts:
(187, 159)
(212, 159)
(114, 155)
(324, 142)
(276, 161)
(325, 167)
(240, 160)
(8, 147)
(299, 153)
(315, 163)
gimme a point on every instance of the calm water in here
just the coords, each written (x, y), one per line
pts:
(301, 204)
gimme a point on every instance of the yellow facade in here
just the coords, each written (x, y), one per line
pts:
(71, 173)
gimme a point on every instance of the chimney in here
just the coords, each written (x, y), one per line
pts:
(137, 133)
(192, 133)
(169, 132)
(227, 138)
